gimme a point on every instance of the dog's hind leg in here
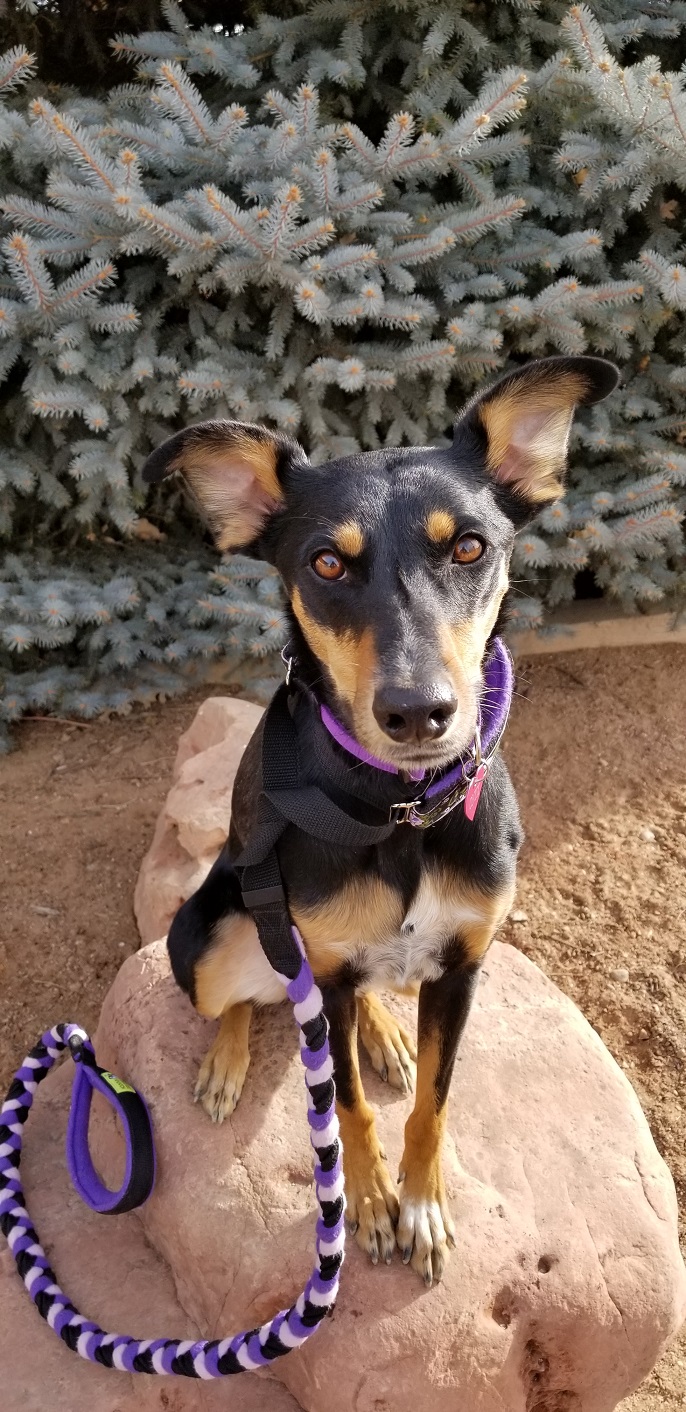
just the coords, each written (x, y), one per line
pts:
(223, 1070)
(392, 1050)
(217, 958)
(231, 974)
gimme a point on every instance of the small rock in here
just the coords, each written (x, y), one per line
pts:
(519, 916)
(44, 911)
(647, 835)
(644, 1034)
(620, 973)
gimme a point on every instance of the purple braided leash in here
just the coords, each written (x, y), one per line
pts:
(203, 1358)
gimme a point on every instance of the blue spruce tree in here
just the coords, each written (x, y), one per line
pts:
(338, 223)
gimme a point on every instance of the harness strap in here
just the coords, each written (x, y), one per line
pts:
(264, 897)
(302, 804)
(285, 799)
(316, 814)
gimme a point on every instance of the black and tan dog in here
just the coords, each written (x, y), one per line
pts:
(395, 565)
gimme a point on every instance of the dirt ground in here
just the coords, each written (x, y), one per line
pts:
(597, 749)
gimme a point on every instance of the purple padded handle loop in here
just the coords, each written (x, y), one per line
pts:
(136, 1126)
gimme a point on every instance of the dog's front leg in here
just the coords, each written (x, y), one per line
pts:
(371, 1200)
(425, 1227)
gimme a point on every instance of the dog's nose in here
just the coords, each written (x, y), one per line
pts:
(406, 715)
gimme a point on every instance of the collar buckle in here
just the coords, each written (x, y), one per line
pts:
(476, 745)
(422, 813)
(423, 818)
(406, 813)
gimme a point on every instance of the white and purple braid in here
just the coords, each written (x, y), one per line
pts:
(203, 1358)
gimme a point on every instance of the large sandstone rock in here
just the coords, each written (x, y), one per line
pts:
(564, 1286)
(194, 821)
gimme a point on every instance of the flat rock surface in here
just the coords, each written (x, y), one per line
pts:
(565, 1283)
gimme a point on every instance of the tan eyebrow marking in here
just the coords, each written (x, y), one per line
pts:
(440, 525)
(350, 539)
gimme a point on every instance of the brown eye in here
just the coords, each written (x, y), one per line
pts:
(468, 549)
(327, 565)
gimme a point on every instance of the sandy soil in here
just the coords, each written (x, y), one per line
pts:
(597, 748)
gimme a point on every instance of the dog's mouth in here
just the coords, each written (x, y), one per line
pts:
(430, 759)
(430, 755)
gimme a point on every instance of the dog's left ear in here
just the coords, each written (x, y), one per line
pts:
(526, 418)
(234, 472)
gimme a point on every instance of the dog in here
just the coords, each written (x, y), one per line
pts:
(395, 568)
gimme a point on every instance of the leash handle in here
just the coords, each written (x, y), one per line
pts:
(132, 1111)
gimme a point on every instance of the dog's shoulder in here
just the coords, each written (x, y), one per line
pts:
(246, 791)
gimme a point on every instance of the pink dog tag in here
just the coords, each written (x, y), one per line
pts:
(473, 794)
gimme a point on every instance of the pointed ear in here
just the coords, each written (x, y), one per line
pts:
(233, 471)
(526, 420)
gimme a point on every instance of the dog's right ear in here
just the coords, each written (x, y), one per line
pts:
(524, 422)
(234, 472)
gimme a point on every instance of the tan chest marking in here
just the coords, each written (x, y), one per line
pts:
(364, 925)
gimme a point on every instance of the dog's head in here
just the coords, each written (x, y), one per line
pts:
(395, 562)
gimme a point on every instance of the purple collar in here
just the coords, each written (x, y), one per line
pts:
(463, 781)
(350, 744)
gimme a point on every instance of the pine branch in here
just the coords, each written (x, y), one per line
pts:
(67, 137)
(30, 272)
(177, 96)
(17, 66)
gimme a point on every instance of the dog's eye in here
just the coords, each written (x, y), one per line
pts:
(468, 549)
(327, 565)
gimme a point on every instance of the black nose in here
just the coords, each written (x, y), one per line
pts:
(409, 715)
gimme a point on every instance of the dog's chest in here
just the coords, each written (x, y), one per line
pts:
(414, 952)
(365, 930)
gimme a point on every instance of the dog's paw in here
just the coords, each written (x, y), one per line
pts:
(391, 1049)
(220, 1079)
(372, 1210)
(425, 1232)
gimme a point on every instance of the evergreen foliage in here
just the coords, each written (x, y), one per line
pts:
(338, 221)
